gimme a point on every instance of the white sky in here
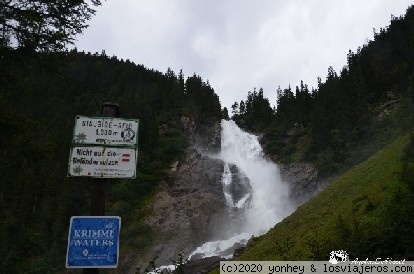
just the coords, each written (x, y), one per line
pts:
(239, 44)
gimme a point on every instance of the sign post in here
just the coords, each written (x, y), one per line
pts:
(104, 147)
(98, 205)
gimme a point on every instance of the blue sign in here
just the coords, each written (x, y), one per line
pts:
(93, 242)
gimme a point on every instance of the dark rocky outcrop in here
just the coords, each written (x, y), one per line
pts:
(202, 266)
(239, 193)
(208, 138)
(204, 137)
(240, 185)
(303, 179)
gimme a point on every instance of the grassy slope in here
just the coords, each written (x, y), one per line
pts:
(359, 212)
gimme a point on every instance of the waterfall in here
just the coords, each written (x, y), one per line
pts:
(267, 202)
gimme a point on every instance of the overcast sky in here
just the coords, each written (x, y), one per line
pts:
(239, 44)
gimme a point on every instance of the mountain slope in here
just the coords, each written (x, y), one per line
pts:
(367, 211)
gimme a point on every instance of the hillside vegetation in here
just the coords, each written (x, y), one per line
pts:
(367, 211)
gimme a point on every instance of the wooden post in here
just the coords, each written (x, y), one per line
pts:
(100, 186)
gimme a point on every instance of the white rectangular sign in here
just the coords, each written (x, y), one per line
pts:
(105, 131)
(102, 162)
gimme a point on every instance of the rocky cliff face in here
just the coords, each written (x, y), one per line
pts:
(303, 179)
(191, 205)
(188, 209)
(206, 138)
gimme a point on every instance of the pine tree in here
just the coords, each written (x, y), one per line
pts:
(225, 114)
(235, 108)
(43, 25)
(242, 107)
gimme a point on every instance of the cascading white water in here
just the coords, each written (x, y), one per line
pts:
(270, 202)
(226, 180)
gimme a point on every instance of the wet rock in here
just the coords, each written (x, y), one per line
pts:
(303, 179)
(202, 266)
(239, 192)
(232, 250)
(240, 186)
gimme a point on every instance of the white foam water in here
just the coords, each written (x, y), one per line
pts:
(215, 248)
(226, 181)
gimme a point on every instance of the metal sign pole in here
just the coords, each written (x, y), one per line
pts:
(100, 186)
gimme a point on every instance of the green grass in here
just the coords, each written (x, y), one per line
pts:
(367, 211)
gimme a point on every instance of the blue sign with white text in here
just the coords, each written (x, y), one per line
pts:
(93, 242)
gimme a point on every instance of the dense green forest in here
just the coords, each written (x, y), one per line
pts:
(40, 94)
(350, 115)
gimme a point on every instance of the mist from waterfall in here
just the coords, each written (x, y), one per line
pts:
(269, 203)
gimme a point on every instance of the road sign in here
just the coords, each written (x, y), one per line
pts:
(102, 162)
(105, 131)
(93, 242)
